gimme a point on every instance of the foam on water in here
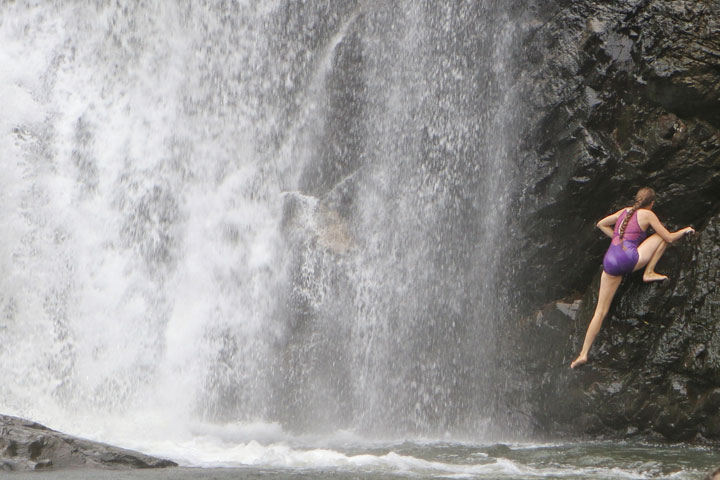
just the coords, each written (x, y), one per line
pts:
(281, 451)
(262, 447)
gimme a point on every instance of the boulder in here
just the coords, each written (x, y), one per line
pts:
(25, 445)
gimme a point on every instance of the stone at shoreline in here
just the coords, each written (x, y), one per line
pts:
(27, 446)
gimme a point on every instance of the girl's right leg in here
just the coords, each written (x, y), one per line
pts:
(649, 253)
(608, 286)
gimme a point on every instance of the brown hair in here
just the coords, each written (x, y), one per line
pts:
(644, 197)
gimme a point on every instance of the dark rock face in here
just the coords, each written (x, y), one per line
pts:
(25, 445)
(623, 95)
(654, 366)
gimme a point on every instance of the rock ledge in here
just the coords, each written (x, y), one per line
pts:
(25, 445)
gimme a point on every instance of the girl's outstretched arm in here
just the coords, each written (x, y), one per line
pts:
(663, 232)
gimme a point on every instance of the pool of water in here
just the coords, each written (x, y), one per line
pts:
(419, 460)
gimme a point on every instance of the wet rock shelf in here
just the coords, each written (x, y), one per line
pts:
(29, 446)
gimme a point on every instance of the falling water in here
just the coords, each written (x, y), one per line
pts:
(255, 213)
(412, 193)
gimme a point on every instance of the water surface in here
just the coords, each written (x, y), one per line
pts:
(417, 460)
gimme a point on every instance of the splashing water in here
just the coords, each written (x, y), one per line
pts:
(280, 212)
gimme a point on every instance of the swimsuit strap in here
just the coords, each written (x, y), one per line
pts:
(633, 233)
(635, 224)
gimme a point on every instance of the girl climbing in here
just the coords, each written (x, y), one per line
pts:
(629, 251)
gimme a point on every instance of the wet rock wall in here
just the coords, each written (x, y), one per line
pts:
(621, 95)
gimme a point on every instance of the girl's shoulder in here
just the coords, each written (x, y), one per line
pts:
(644, 217)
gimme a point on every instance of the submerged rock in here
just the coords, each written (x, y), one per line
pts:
(26, 445)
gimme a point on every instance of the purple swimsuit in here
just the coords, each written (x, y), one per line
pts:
(622, 256)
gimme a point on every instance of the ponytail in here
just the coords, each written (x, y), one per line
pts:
(626, 220)
(643, 198)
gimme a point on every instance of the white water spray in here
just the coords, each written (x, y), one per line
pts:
(268, 212)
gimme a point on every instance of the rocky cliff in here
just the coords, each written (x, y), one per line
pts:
(26, 445)
(621, 95)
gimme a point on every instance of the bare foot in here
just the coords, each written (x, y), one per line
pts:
(578, 361)
(653, 277)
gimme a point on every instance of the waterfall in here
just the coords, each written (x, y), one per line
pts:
(281, 212)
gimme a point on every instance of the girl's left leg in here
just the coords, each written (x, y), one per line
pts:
(608, 286)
